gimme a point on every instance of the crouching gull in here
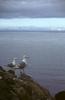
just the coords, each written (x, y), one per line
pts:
(12, 64)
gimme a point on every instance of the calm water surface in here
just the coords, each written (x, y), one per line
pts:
(47, 55)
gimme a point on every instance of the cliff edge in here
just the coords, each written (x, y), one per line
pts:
(22, 88)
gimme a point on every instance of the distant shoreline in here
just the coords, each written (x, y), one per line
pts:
(32, 31)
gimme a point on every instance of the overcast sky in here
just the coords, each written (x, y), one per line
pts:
(32, 13)
(32, 8)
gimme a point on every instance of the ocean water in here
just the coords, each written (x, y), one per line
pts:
(46, 50)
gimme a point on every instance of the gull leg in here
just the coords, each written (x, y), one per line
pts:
(23, 70)
(20, 72)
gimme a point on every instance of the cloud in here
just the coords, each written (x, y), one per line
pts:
(32, 8)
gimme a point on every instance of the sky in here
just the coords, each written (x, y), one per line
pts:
(32, 8)
(20, 11)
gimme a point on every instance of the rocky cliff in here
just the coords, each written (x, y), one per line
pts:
(22, 88)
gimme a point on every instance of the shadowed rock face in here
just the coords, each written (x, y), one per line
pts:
(60, 95)
(23, 88)
(1, 68)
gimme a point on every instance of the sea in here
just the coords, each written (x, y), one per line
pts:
(46, 51)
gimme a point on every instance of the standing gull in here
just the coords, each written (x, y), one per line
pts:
(23, 63)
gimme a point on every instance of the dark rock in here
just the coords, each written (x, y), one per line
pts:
(11, 71)
(60, 95)
(1, 68)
